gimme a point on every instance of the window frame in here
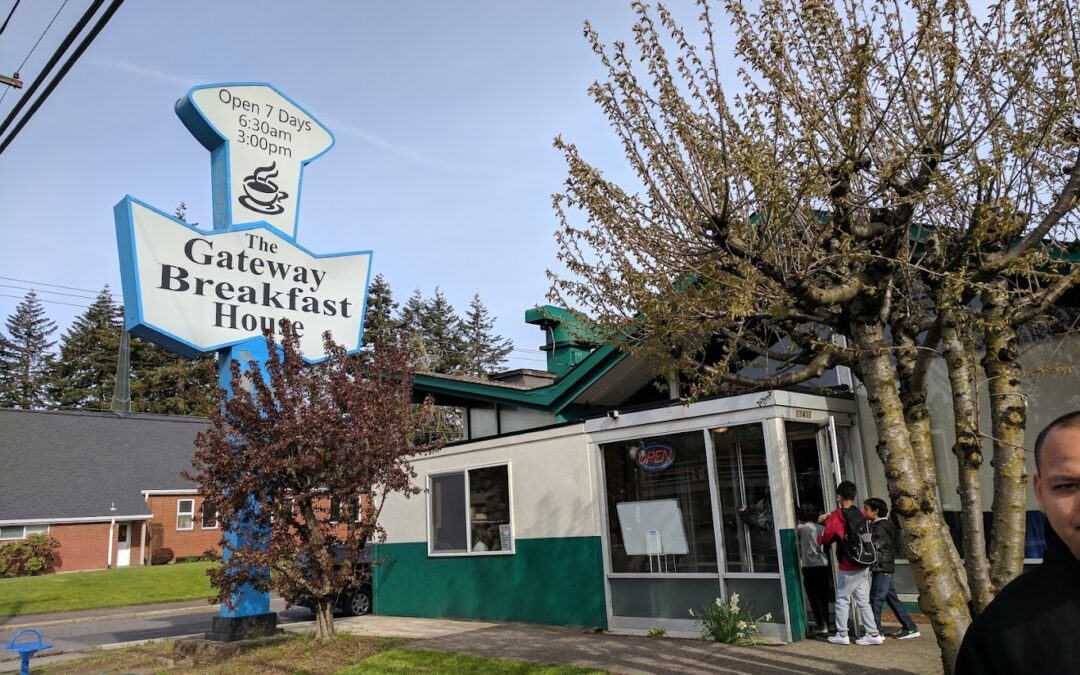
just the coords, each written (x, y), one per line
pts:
(432, 553)
(202, 518)
(25, 534)
(189, 514)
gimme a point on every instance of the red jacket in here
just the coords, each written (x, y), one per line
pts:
(835, 529)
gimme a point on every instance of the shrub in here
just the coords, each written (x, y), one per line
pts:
(727, 622)
(657, 632)
(208, 555)
(162, 556)
(28, 557)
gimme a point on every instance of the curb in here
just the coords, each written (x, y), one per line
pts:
(119, 616)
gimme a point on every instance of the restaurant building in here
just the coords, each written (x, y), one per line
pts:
(589, 495)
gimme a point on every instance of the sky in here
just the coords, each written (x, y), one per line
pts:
(444, 114)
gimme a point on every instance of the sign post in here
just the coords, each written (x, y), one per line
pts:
(195, 291)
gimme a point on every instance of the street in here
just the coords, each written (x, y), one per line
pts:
(88, 633)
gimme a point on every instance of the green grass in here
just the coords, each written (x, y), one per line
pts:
(413, 661)
(104, 588)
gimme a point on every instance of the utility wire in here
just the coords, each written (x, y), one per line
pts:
(42, 283)
(13, 8)
(86, 41)
(55, 302)
(31, 52)
(45, 290)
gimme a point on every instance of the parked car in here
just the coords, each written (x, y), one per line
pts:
(355, 601)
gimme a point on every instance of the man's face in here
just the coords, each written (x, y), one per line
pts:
(1057, 484)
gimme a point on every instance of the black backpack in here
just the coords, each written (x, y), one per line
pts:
(858, 540)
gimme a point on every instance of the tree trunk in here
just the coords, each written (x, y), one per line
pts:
(968, 451)
(913, 385)
(940, 595)
(324, 619)
(1008, 415)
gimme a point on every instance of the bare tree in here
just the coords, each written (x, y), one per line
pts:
(870, 184)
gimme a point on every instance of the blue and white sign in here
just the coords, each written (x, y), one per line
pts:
(195, 291)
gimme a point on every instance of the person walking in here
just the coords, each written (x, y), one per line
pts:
(882, 589)
(815, 566)
(847, 527)
(1032, 624)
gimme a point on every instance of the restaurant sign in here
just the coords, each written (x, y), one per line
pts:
(195, 291)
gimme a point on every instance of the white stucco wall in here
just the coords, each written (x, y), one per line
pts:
(551, 484)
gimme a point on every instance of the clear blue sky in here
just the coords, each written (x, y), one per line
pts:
(444, 115)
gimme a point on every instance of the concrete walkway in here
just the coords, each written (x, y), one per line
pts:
(631, 654)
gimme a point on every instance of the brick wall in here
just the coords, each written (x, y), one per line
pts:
(85, 546)
(163, 532)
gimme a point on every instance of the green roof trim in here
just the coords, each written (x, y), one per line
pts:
(553, 398)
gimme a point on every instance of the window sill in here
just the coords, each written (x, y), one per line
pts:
(464, 554)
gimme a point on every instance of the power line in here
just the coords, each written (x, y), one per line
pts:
(44, 290)
(13, 8)
(55, 302)
(43, 283)
(31, 52)
(49, 88)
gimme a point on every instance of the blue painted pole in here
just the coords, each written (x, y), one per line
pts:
(247, 601)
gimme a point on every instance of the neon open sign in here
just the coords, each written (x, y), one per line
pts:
(656, 457)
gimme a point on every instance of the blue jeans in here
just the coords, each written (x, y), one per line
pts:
(883, 591)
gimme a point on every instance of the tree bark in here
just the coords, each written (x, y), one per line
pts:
(926, 545)
(968, 451)
(1008, 415)
(324, 619)
(913, 385)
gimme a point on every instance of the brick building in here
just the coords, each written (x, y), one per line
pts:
(106, 486)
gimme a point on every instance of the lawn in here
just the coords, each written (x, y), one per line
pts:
(344, 655)
(413, 661)
(104, 588)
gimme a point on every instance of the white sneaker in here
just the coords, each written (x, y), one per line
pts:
(869, 639)
(839, 639)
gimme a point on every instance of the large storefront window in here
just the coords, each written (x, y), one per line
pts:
(659, 511)
(742, 477)
(470, 511)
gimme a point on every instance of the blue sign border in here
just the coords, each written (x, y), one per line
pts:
(135, 322)
(218, 145)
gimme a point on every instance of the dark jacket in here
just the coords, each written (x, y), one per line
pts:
(1033, 625)
(883, 533)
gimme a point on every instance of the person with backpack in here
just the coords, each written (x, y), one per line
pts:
(882, 589)
(854, 554)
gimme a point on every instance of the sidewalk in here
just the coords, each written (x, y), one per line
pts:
(10, 623)
(631, 654)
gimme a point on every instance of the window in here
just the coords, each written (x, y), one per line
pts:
(351, 511)
(470, 511)
(185, 514)
(742, 476)
(659, 507)
(22, 531)
(209, 516)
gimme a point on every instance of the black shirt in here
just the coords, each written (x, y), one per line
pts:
(1033, 625)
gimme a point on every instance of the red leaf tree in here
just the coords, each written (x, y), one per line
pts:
(292, 447)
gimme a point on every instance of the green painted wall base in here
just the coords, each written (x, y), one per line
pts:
(554, 581)
(789, 556)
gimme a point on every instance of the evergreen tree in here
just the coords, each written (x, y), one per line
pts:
(411, 320)
(379, 322)
(441, 329)
(483, 352)
(170, 384)
(25, 355)
(85, 374)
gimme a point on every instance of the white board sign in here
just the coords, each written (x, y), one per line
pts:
(652, 527)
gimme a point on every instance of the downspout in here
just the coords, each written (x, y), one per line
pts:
(112, 524)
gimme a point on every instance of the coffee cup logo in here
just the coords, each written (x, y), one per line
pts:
(261, 193)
